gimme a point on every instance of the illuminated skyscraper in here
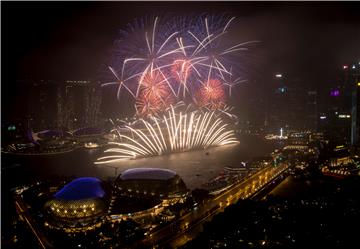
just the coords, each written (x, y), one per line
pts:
(340, 116)
(355, 108)
(78, 104)
(59, 105)
(291, 104)
(41, 104)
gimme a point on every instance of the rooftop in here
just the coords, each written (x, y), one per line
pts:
(147, 173)
(81, 188)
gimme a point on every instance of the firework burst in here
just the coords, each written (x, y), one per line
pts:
(181, 70)
(174, 132)
(211, 95)
(181, 57)
(155, 95)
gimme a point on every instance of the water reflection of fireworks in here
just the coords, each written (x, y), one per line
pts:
(174, 132)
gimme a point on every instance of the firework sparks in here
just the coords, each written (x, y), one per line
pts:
(155, 95)
(175, 58)
(230, 82)
(211, 95)
(175, 132)
(181, 70)
(154, 86)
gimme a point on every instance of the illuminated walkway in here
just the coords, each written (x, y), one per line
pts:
(24, 214)
(188, 226)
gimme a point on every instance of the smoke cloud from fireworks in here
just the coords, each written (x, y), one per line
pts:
(160, 62)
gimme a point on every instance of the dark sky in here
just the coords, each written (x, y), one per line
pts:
(60, 40)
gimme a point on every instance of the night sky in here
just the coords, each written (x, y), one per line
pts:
(67, 40)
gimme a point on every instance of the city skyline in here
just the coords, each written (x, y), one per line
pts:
(317, 41)
(180, 124)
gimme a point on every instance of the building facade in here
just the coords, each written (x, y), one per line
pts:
(78, 104)
(61, 105)
(291, 104)
(355, 105)
(339, 118)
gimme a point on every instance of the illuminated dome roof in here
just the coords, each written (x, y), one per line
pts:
(147, 174)
(80, 189)
(150, 182)
(80, 202)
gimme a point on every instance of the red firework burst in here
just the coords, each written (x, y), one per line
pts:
(211, 95)
(181, 70)
(154, 85)
(155, 95)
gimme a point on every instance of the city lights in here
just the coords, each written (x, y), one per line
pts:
(335, 93)
(344, 116)
(148, 125)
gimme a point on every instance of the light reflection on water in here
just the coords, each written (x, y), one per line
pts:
(198, 167)
(195, 167)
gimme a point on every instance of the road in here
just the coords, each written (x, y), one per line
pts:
(24, 214)
(187, 226)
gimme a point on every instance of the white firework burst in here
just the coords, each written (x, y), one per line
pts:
(174, 132)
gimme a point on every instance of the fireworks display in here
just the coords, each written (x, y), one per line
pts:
(169, 63)
(174, 132)
(154, 96)
(211, 95)
(162, 61)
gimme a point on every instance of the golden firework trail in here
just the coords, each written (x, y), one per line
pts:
(174, 132)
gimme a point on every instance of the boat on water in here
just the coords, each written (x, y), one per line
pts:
(91, 145)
